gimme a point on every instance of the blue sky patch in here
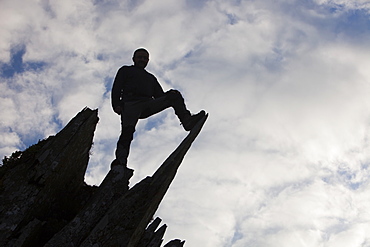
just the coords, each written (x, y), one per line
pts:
(16, 64)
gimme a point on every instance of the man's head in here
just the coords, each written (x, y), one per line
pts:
(141, 58)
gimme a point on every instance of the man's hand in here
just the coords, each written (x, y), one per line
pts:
(118, 110)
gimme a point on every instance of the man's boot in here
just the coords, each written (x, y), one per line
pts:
(119, 165)
(121, 155)
(123, 146)
(189, 121)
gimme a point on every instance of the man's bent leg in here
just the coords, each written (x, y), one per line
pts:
(187, 120)
(173, 98)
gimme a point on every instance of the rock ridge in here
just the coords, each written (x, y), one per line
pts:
(45, 201)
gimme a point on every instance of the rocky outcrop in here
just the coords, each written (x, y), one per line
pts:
(45, 201)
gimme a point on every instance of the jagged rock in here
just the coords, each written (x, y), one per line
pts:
(41, 187)
(175, 243)
(151, 237)
(45, 201)
(114, 185)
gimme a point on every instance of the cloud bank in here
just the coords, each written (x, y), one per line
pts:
(283, 158)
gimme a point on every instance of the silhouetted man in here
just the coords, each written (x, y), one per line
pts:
(136, 94)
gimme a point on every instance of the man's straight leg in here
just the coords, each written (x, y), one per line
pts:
(129, 119)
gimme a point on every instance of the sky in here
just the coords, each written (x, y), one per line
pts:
(283, 159)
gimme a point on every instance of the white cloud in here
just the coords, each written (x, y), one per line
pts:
(283, 156)
(347, 4)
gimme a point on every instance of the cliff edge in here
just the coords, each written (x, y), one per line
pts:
(45, 201)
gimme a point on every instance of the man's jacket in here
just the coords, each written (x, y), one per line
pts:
(133, 83)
